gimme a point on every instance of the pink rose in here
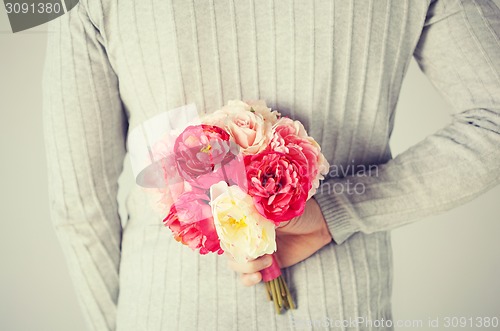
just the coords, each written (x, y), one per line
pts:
(286, 133)
(249, 124)
(276, 183)
(200, 150)
(190, 220)
(232, 172)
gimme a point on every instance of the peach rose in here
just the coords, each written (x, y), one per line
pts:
(249, 124)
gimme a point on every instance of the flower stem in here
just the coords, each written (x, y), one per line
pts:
(268, 291)
(278, 292)
(276, 288)
(277, 305)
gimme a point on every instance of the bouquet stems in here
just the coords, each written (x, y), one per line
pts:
(276, 288)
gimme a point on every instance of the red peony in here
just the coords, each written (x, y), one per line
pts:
(190, 220)
(289, 133)
(278, 184)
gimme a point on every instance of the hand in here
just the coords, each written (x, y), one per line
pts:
(297, 239)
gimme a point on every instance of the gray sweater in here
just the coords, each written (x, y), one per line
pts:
(338, 67)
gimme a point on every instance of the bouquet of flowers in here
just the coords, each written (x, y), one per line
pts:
(235, 177)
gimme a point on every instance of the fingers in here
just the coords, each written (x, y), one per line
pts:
(251, 266)
(249, 271)
(251, 279)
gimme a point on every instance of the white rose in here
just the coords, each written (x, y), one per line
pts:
(242, 231)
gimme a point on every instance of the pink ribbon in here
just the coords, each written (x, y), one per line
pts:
(271, 272)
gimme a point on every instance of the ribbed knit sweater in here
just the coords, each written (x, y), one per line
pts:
(337, 66)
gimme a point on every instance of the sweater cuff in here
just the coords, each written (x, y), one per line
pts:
(338, 213)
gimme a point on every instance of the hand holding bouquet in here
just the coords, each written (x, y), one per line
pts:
(243, 172)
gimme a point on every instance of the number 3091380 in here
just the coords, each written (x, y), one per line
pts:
(32, 8)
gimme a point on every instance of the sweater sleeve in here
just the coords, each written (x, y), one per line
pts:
(85, 128)
(459, 51)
